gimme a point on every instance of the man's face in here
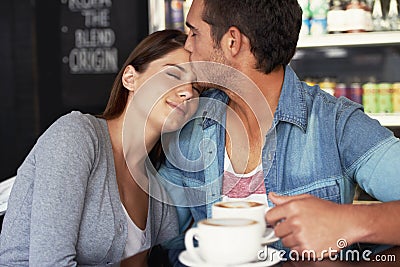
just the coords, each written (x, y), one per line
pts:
(199, 42)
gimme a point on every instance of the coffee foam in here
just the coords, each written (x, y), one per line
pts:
(238, 204)
(228, 222)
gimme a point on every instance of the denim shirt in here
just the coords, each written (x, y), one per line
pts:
(318, 144)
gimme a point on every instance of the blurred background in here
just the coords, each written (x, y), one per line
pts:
(63, 55)
(58, 56)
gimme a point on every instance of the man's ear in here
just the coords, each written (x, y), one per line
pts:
(129, 78)
(233, 41)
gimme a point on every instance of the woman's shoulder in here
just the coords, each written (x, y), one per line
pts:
(77, 127)
(78, 123)
(78, 119)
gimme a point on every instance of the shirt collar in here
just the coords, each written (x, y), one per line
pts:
(212, 107)
(292, 105)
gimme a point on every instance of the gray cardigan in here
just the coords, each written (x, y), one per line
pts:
(65, 209)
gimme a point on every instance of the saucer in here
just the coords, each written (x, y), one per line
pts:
(274, 257)
(270, 233)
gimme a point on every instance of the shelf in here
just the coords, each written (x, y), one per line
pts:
(387, 119)
(366, 39)
(350, 39)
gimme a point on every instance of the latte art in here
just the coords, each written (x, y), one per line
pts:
(238, 204)
(228, 222)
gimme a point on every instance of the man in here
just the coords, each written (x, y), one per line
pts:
(323, 146)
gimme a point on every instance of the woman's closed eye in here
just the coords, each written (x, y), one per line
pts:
(183, 74)
(175, 71)
(175, 74)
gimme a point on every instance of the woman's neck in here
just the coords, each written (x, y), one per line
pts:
(133, 140)
(129, 161)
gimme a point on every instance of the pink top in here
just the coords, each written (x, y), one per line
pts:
(243, 186)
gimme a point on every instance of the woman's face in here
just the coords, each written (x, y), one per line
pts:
(164, 92)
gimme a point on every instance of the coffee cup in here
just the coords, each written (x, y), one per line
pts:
(224, 241)
(243, 209)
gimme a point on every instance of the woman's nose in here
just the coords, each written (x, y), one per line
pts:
(185, 92)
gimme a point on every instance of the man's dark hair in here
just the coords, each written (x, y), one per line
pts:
(272, 27)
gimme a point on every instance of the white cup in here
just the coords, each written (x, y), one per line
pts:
(243, 209)
(224, 241)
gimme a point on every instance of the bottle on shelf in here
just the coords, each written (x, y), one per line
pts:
(328, 85)
(355, 90)
(367, 6)
(356, 17)
(341, 90)
(393, 16)
(310, 81)
(384, 98)
(336, 18)
(305, 26)
(174, 14)
(377, 17)
(396, 97)
(318, 10)
(369, 98)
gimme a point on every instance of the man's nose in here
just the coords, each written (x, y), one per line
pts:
(188, 45)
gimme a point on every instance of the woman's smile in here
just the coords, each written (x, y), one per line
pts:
(181, 107)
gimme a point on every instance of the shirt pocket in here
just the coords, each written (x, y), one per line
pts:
(328, 189)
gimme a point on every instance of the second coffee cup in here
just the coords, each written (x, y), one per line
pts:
(224, 241)
(245, 210)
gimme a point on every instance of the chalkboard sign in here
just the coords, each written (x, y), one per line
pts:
(96, 38)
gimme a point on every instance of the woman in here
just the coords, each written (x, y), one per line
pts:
(75, 200)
